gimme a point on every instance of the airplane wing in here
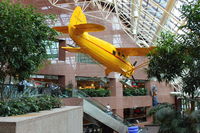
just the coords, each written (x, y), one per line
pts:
(135, 51)
(62, 29)
(72, 49)
(107, 71)
(89, 27)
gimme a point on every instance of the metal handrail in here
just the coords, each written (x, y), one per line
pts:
(100, 106)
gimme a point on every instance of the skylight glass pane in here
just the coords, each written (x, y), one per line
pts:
(162, 3)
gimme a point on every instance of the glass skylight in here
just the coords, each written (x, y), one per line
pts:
(142, 20)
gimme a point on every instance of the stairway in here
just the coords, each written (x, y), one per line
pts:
(101, 113)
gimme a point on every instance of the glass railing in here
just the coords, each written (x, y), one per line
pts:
(12, 91)
(81, 94)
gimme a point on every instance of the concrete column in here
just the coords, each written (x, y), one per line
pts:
(149, 118)
(70, 79)
(61, 52)
(61, 81)
(148, 86)
(119, 112)
(116, 88)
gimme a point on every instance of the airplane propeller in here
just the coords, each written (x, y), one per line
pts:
(134, 64)
(139, 66)
(133, 78)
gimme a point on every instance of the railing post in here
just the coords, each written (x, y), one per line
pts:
(74, 92)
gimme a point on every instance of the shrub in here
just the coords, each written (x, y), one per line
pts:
(101, 92)
(155, 109)
(135, 92)
(172, 121)
(28, 104)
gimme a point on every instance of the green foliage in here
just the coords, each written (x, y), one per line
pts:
(178, 56)
(174, 122)
(28, 104)
(168, 60)
(135, 92)
(191, 13)
(155, 109)
(101, 92)
(23, 40)
(48, 102)
(191, 42)
(192, 79)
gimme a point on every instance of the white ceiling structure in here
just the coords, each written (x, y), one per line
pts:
(142, 20)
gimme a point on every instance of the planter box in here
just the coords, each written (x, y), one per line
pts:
(68, 119)
(152, 128)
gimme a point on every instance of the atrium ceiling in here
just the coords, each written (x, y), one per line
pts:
(141, 20)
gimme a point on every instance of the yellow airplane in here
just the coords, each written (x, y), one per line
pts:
(114, 59)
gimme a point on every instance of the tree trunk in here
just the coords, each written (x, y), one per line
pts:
(1, 91)
(10, 78)
(192, 106)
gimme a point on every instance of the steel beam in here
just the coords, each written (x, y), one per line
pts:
(134, 16)
(165, 16)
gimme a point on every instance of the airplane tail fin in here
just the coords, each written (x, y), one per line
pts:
(78, 17)
(79, 21)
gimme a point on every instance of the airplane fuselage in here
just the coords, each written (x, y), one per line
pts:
(103, 52)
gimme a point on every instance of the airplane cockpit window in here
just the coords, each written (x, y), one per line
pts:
(119, 53)
(114, 52)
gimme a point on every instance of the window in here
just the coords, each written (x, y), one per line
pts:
(117, 40)
(119, 53)
(52, 50)
(83, 58)
(114, 52)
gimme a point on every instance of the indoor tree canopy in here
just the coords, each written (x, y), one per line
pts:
(23, 40)
(178, 56)
(23, 37)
